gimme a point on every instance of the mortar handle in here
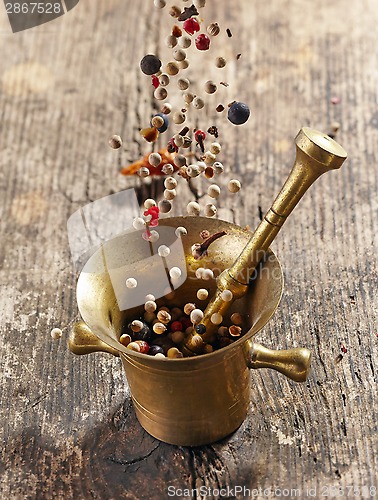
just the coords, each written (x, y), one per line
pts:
(83, 341)
(294, 363)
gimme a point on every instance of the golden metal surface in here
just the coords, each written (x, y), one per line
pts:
(316, 154)
(294, 363)
(82, 340)
(189, 401)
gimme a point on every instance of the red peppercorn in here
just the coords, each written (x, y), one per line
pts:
(155, 81)
(144, 347)
(202, 42)
(176, 326)
(200, 136)
(185, 323)
(191, 26)
(154, 212)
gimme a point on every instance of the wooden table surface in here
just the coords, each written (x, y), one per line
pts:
(68, 428)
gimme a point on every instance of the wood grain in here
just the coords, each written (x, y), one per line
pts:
(68, 427)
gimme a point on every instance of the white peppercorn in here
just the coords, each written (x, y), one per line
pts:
(154, 159)
(188, 97)
(164, 251)
(56, 333)
(164, 79)
(166, 108)
(218, 167)
(175, 273)
(202, 294)
(172, 68)
(136, 326)
(174, 353)
(181, 231)
(138, 223)
(220, 62)
(143, 172)
(189, 307)
(209, 158)
(210, 87)
(180, 160)
(185, 42)
(198, 103)
(179, 140)
(207, 274)
(227, 295)
(149, 203)
(149, 296)
(215, 148)
(159, 328)
(160, 93)
(157, 121)
(154, 236)
(193, 171)
(133, 346)
(160, 4)
(237, 319)
(183, 83)
(165, 206)
(179, 54)
(150, 306)
(196, 316)
(171, 41)
(216, 318)
(178, 117)
(131, 283)
(210, 210)
(170, 183)
(193, 208)
(168, 169)
(199, 272)
(115, 142)
(184, 64)
(213, 191)
(170, 194)
(234, 186)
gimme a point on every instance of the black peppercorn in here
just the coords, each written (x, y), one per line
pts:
(155, 349)
(144, 333)
(150, 64)
(200, 329)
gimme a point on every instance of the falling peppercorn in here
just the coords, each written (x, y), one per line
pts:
(150, 64)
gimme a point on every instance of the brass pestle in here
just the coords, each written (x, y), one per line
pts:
(316, 153)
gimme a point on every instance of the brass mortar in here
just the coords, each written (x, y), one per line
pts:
(194, 400)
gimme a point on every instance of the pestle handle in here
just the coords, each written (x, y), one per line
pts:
(316, 153)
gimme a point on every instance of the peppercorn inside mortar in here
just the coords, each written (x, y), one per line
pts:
(162, 331)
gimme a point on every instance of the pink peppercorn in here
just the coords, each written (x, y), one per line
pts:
(202, 42)
(154, 212)
(191, 26)
(155, 81)
(176, 326)
(143, 345)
